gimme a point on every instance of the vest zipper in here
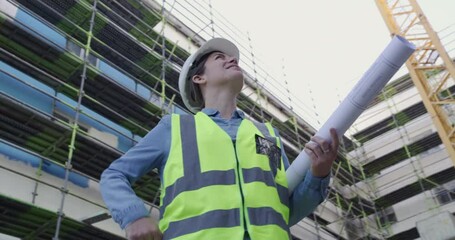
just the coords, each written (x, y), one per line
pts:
(241, 192)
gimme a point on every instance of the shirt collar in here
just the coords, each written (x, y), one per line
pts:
(215, 113)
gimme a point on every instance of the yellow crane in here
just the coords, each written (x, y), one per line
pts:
(430, 67)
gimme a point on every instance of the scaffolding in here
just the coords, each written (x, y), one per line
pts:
(403, 166)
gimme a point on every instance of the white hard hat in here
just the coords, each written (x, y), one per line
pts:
(192, 102)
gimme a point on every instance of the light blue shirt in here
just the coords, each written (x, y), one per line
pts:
(152, 152)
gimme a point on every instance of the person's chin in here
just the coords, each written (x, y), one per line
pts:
(239, 83)
(238, 76)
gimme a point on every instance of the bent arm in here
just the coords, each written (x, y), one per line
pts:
(307, 196)
(311, 192)
(116, 180)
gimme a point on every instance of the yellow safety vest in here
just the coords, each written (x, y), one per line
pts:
(214, 188)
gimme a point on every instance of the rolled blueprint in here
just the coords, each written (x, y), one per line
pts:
(386, 65)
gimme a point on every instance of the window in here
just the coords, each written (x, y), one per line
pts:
(387, 216)
(445, 193)
(93, 60)
(70, 120)
(74, 48)
(80, 52)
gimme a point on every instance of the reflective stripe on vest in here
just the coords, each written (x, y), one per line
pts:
(212, 219)
(201, 197)
(266, 129)
(265, 191)
(259, 175)
(192, 178)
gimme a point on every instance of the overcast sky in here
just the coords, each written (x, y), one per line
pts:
(324, 46)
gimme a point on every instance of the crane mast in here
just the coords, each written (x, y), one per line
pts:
(430, 67)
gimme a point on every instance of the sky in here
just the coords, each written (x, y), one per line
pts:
(321, 48)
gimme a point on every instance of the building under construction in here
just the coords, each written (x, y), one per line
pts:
(82, 81)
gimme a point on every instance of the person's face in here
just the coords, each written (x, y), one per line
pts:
(222, 70)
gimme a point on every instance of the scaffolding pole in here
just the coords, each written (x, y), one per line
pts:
(64, 190)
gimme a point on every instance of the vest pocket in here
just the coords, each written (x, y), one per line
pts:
(267, 146)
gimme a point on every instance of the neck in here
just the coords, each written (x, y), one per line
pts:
(224, 102)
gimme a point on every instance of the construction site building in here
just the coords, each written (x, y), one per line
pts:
(81, 82)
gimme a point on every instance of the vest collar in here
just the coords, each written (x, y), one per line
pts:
(211, 112)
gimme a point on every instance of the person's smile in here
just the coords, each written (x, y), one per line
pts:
(234, 66)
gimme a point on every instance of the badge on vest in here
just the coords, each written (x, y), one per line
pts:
(267, 147)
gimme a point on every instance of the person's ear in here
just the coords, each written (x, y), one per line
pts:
(199, 79)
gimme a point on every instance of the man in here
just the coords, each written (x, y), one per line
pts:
(222, 175)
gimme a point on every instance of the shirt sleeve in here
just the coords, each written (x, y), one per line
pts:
(311, 192)
(115, 184)
(307, 196)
